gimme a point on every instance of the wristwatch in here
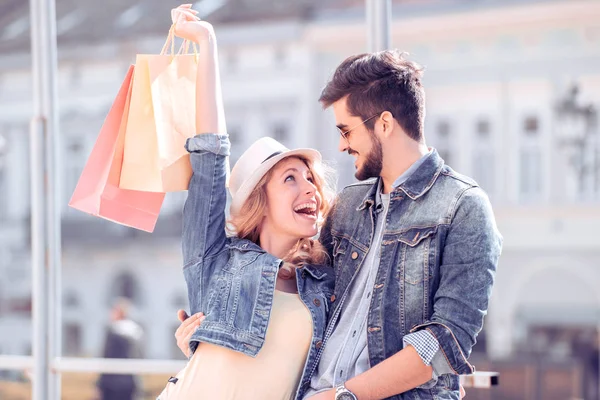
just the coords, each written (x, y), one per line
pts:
(341, 393)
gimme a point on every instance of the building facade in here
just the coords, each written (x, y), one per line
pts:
(501, 107)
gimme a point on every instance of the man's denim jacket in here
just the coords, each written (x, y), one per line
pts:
(231, 280)
(439, 254)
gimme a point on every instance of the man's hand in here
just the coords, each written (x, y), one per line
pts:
(188, 25)
(327, 395)
(186, 329)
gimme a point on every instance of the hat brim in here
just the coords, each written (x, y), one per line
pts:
(248, 186)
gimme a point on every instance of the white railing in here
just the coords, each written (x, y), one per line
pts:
(18, 363)
(479, 379)
(99, 365)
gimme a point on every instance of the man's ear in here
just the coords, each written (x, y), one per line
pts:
(388, 122)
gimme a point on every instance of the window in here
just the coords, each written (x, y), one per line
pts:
(180, 301)
(73, 158)
(75, 78)
(483, 169)
(483, 129)
(597, 172)
(530, 176)
(70, 300)
(280, 56)
(235, 137)
(442, 139)
(281, 132)
(530, 160)
(443, 129)
(483, 155)
(231, 60)
(3, 176)
(531, 126)
(3, 190)
(125, 285)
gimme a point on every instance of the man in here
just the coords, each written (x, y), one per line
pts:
(414, 246)
(123, 340)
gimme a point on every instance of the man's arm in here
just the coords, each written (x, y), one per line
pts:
(401, 372)
(467, 270)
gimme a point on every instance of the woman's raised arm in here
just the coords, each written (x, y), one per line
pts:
(204, 211)
(210, 116)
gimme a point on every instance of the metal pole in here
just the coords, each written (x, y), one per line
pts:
(53, 205)
(45, 203)
(379, 17)
(39, 274)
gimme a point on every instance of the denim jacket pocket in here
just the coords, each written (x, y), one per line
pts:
(416, 250)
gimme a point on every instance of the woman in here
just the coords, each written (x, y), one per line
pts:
(264, 324)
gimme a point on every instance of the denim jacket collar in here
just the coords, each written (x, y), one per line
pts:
(316, 271)
(415, 186)
(424, 177)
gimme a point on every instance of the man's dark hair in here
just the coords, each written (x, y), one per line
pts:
(378, 82)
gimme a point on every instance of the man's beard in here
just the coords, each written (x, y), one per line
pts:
(373, 161)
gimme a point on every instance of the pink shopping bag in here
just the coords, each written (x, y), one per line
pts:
(98, 191)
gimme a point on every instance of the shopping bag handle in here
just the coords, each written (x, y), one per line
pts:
(183, 49)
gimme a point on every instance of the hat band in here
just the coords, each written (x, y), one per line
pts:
(271, 156)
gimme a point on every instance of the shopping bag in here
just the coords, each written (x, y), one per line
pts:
(162, 117)
(97, 191)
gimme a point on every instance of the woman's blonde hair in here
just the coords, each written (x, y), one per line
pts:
(247, 223)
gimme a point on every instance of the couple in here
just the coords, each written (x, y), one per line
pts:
(386, 304)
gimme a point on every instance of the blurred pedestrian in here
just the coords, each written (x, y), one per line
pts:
(123, 340)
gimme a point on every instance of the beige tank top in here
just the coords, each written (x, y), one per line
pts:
(218, 373)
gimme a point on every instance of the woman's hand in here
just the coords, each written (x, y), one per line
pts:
(186, 329)
(188, 25)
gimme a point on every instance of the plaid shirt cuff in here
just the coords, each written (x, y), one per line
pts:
(425, 343)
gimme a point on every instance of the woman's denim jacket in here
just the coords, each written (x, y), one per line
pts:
(438, 259)
(232, 280)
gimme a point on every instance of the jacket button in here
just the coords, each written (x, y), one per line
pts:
(318, 344)
(354, 255)
(317, 302)
(332, 298)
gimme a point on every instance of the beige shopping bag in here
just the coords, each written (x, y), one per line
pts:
(162, 116)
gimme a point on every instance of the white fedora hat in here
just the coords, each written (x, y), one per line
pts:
(260, 157)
